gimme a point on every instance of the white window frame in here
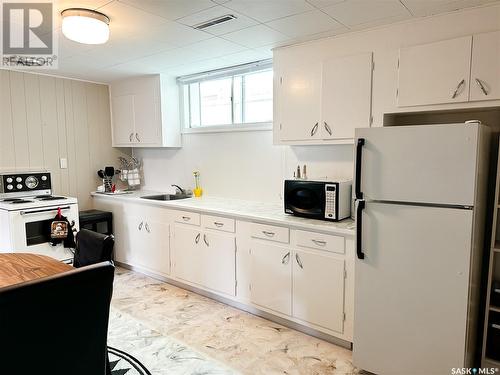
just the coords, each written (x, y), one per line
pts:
(184, 81)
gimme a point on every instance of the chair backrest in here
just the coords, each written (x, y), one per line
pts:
(92, 248)
(58, 324)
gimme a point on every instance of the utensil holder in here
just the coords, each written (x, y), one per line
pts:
(108, 184)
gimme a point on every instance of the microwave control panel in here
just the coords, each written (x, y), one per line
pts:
(330, 201)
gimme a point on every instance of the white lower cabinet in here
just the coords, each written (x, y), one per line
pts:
(206, 258)
(271, 277)
(152, 249)
(318, 289)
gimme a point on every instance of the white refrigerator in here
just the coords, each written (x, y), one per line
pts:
(420, 210)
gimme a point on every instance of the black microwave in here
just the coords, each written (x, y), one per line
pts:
(323, 200)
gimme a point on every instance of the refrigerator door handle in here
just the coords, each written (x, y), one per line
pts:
(359, 151)
(359, 225)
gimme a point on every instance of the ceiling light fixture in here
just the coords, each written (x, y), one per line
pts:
(85, 26)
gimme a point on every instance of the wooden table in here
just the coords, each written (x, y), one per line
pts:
(21, 267)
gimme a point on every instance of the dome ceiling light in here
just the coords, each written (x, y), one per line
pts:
(85, 26)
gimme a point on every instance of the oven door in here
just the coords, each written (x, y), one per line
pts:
(31, 230)
(305, 198)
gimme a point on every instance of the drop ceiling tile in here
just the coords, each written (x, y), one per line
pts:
(429, 7)
(256, 36)
(244, 57)
(171, 9)
(240, 22)
(304, 24)
(215, 47)
(358, 12)
(164, 60)
(174, 33)
(268, 10)
(324, 3)
(198, 67)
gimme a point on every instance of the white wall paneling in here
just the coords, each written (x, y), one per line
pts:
(43, 119)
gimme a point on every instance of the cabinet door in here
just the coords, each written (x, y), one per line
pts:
(154, 250)
(346, 95)
(127, 237)
(187, 252)
(271, 277)
(318, 289)
(435, 73)
(147, 112)
(123, 111)
(485, 78)
(219, 262)
(300, 95)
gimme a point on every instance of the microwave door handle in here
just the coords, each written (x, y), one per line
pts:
(45, 210)
(359, 153)
(359, 228)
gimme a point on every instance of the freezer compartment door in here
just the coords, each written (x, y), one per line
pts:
(411, 292)
(422, 164)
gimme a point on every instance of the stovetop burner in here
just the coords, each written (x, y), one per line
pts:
(48, 197)
(16, 200)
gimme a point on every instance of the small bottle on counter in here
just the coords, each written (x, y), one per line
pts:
(298, 172)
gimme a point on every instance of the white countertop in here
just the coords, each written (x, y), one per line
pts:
(248, 210)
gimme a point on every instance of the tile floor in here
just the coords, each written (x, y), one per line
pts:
(174, 331)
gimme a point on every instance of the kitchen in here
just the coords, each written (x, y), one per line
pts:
(247, 112)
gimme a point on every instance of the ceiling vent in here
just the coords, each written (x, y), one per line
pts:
(214, 21)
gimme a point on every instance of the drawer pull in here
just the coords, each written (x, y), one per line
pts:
(205, 240)
(319, 242)
(197, 238)
(268, 234)
(299, 262)
(218, 224)
(286, 258)
(186, 218)
(496, 326)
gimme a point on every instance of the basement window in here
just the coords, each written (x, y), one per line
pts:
(236, 98)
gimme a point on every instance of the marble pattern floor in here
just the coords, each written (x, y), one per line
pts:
(174, 331)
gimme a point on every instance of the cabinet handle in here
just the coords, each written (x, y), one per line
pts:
(147, 228)
(496, 326)
(314, 129)
(140, 225)
(481, 86)
(286, 258)
(197, 238)
(319, 242)
(137, 137)
(218, 224)
(268, 234)
(130, 137)
(328, 129)
(299, 262)
(205, 240)
(459, 86)
(186, 218)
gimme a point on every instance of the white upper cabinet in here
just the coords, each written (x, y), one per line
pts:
(346, 95)
(145, 112)
(299, 103)
(322, 102)
(485, 72)
(435, 73)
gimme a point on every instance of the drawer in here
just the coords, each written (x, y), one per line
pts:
(320, 241)
(219, 223)
(270, 232)
(187, 217)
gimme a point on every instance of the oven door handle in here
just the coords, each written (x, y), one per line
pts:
(45, 210)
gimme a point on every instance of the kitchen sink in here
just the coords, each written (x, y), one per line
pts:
(166, 197)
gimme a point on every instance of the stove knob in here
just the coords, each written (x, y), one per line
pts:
(9, 180)
(19, 186)
(10, 187)
(44, 178)
(19, 179)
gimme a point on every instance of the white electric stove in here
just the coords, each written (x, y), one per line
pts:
(27, 208)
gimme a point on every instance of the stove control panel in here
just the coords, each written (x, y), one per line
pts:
(25, 183)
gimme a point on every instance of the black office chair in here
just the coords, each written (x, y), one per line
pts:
(57, 325)
(92, 248)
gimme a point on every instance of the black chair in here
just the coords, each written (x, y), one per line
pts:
(92, 248)
(57, 325)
